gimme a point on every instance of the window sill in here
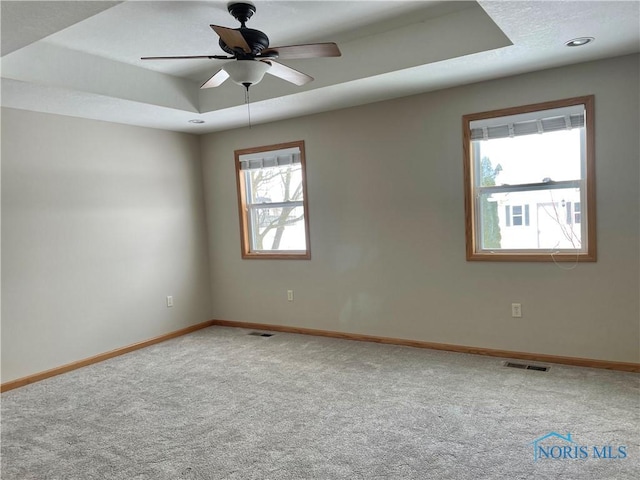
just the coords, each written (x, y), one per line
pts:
(276, 256)
(531, 257)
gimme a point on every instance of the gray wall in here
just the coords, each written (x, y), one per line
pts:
(387, 227)
(100, 222)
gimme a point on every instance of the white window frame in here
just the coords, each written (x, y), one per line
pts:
(265, 157)
(524, 120)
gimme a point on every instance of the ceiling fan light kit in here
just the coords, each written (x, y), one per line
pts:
(252, 57)
(246, 72)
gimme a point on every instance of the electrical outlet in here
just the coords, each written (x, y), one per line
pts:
(516, 310)
(290, 295)
(169, 301)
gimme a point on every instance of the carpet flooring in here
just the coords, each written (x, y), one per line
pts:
(222, 404)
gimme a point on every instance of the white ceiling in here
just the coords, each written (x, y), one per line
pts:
(82, 58)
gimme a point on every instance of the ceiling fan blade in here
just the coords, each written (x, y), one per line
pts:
(287, 73)
(180, 57)
(311, 50)
(216, 80)
(233, 38)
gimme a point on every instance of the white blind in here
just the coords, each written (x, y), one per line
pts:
(529, 123)
(274, 158)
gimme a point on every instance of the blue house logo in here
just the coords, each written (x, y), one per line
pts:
(562, 447)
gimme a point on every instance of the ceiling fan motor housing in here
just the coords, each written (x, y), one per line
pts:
(256, 40)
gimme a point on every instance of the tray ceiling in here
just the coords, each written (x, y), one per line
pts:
(83, 58)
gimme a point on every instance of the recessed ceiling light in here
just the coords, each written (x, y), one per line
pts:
(578, 42)
(196, 120)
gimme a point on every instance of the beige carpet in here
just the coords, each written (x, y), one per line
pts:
(221, 404)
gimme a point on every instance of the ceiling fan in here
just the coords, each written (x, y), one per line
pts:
(252, 54)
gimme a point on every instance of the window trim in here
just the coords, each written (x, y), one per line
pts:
(589, 194)
(245, 242)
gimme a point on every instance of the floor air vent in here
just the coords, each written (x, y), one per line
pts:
(260, 334)
(525, 366)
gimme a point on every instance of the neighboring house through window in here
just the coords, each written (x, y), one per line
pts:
(530, 182)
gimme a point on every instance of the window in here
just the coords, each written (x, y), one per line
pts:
(529, 177)
(575, 216)
(514, 215)
(272, 201)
